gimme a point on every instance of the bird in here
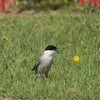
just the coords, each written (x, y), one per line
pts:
(45, 61)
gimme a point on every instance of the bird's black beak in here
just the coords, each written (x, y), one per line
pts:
(57, 50)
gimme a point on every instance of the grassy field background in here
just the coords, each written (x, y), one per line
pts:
(28, 36)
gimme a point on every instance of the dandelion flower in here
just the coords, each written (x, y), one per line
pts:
(65, 1)
(4, 38)
(76, 58)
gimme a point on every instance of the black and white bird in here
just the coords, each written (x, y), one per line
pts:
(45, 61)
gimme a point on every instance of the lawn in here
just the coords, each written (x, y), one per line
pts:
(28, 36)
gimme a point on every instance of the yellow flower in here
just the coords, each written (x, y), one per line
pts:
(4, 38)
(44, 2)
(76, 58)
(82, 42)
(65, 1)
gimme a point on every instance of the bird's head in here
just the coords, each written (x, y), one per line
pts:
(51, 49)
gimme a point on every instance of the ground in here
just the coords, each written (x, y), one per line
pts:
(22, 12)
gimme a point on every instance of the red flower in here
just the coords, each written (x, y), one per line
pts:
(93, 2)
(98, 3)
(88, 1)
(81, 2)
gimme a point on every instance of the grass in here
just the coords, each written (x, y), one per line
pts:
(28, 37)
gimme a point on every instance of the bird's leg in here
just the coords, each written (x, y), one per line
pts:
(35, 71)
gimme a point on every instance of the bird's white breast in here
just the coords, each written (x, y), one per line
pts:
(45, 63)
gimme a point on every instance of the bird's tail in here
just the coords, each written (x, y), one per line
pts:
(34, 68)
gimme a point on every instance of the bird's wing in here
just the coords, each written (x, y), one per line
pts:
(36, 66)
